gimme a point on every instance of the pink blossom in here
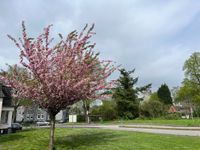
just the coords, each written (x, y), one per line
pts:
(62, 74)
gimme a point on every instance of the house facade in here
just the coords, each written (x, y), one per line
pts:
(6, 109)
(35, 114)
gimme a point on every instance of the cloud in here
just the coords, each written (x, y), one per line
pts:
(155, 37)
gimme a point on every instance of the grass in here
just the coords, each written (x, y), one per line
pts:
(177, 122)
(96, 139)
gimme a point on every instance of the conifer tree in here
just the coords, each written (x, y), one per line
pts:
(126, 95)
(164, 94)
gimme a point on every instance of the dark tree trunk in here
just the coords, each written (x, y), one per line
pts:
(15, 114)
(52, 130)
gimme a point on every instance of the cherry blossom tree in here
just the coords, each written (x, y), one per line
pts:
(17, 73)
(59, 75)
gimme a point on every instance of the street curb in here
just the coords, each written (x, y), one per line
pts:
(160, 127)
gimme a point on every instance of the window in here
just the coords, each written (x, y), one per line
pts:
(42, 116)
(38, 116)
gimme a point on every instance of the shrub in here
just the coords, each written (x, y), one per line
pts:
(152, 109)
(172, 116)
(107, 111)
(197, 112)
(80, 118)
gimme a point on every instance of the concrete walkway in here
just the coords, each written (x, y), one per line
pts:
(186, 131)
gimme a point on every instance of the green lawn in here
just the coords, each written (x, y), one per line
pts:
(178, 122)
(96, 139)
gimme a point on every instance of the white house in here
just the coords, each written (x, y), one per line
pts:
(34, 113)
(6, 109)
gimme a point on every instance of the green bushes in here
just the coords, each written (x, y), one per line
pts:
(172, 116)
(107, 111)
(156, 109)
(80, 118)
(148, 109)
(197, 112)
(152, 109)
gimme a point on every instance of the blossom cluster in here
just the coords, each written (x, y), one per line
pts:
(58, 75)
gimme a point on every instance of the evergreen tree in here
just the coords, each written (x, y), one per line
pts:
(164, 94)
(126, 95)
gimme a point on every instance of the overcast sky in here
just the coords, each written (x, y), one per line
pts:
(155, 37)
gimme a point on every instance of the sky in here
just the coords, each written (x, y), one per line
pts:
(153, 36)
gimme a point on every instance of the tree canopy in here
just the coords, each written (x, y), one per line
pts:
(154, 97)
(190, 89)
(126, 95)
(164, 94)
(59, 75)
(192, 68)
(188, 93)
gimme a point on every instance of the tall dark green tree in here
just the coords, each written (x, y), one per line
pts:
(164, 94)
(126, 95)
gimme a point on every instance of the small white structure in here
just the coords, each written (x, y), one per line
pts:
(72, 118)
(61, 116)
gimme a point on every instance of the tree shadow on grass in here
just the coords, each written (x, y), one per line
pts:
(86, 139)
(14, 136)
(10, 137)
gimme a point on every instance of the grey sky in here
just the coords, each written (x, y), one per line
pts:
(153, 36)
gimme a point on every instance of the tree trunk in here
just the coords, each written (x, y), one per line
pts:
(86, 108)
(14, 114)
(52, 129)
(191, 112)
(86, 114)
(87, 117)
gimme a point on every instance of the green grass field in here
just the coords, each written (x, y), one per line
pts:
(96, 139)
(178, 122)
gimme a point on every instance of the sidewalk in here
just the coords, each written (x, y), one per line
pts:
(160, 127)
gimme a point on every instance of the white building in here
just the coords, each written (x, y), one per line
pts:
(6, 109)
(34, 114)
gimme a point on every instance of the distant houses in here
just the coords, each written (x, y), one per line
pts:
(35, 114)
(185, 110)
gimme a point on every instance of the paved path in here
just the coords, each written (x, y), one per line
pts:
(187, 131)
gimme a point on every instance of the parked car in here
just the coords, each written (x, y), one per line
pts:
(61, 121)
(15, 127)
(42, 123)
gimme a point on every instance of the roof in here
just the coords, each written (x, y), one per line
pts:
(172, 109)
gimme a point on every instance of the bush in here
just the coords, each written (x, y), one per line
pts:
(80, 118)
(107, 112)
(172, 116)
(197, 112)
(152, 109)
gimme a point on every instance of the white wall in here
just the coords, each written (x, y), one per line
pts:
(61, 116)
(20, 115)
(72, 118)
(9, 118)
